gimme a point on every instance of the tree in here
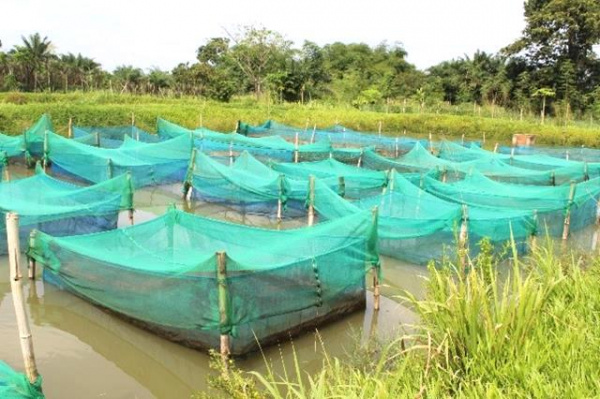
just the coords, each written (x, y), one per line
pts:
(33, 55)
(258, 52)
(544, 92)
(560, 30)
(129, 77)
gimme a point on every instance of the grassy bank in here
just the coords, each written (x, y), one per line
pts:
(532, 334)
(18, 111)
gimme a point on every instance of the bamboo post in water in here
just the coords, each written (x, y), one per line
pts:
(45, 157)
(376, 293)
(31, 264)
(279, 201)
(70, 128)
(296, 148)
(379, 128)
(97, 139)
(342, 186)
(311, 200)
(567, 155)
(314, 132)
(131, 189)
(397, 149)
(496, 147)
(567, 222)
(187, 185)
(360, 158)
(225, 348)
(483, 138)
(14, 261)
(132, 119)
(462, 139)
(231, 153)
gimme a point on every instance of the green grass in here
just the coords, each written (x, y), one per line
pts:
(18, 111)
(533, 333)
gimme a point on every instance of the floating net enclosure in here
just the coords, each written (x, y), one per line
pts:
(61, 208)
(35, 135)
(417, 226)
(14, 385)
(148, 163)
(12, 146)
(111, 136)
(231, 145)
(193, 279)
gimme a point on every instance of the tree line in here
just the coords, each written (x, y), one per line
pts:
(551, 69)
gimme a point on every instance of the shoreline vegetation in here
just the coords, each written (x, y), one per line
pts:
(528, 331)
(18, 111)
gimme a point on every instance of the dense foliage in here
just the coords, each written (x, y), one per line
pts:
(552, 69)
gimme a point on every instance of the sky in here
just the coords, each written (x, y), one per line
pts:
(162, 34)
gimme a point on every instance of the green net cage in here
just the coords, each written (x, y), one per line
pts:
(193, 279)
(15, 385)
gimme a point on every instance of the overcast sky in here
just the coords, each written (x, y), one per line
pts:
(162, 34)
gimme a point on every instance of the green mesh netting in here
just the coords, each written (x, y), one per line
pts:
(264, 148)
(550, 203)
(12, 146)
(62, 208)
(14, 385)
(34, 136)
(275, 281)
(417, 226)
(357, 182)
(148, 163)
(112, 136)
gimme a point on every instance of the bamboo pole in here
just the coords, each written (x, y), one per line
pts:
(397, 149)
(341, 186)
(567, 155)
(430, 143)
(380, 127)
(533, 239)
(462, 139)
(132, 119)
(231, 153)
(314, 132)
(225, 348)
(14, 259)
(552, 178)
(376, 283)
(296, 148)
(45, 157)
(483, 138)
(279, 202)
(109, 169)
(360, 158)
(70, 128)
(464, 236)
(586, 174)
(444, 175)
(97, 139)
(567, 221)
(311, 200)
(131, 188)
(496, 147)
(5, 171)
(187, 185)
(31, 264)
(596, 235)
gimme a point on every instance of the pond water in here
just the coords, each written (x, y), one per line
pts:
(84, 352)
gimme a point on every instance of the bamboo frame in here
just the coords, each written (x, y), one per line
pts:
(70, 128)
(463, 237)
(311, 200)
(376, 282)
(225, 347)
(14, 259)
(296, 148)
(567, 222)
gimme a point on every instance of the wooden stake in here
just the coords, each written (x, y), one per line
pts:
(596, 235)
(496, 147)
(14, 260)
(360, 158)
(97, 139)
(483, 137)
(430, 143)
(32, 264)
(462, 139)
(45, 161)
(463, 236)
(230, 153)
(567, 155)
(311, 200)
(314, 132)
(397, 149)
(279, 203)
(70, 128)
(223, 308)
(132, 119)
(296, 148)
(567, 222)
(376, 293)
(379, 128)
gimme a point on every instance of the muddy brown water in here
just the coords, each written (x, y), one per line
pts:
(84, 352)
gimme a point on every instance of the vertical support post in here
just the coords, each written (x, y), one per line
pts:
(45, 156)
(97, 139)
(464, 236)
(5, 170)
(109, 169)
(533, 238)
(311, 200)
(296, 148)
(397, 149)
(279, 201)
(360, 158)
(376, 284)
(392, 179)
(14, 261)
(131, 189)
(306, 126)
(223, 308)
(496, 147)
(596, 235)
(512, 154)
(430, 143)
(70, 128)
(444, 175)
(483, 138)
(314, 133)
(567, 222)
(462, 139)
(567, 155)
(379, 127)
(231, 153)
(132, 119)
(552, 178)
(586, 174)
(341, 186)
(187, 185)
(31, 264)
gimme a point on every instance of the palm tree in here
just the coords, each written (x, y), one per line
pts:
(34, 54)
